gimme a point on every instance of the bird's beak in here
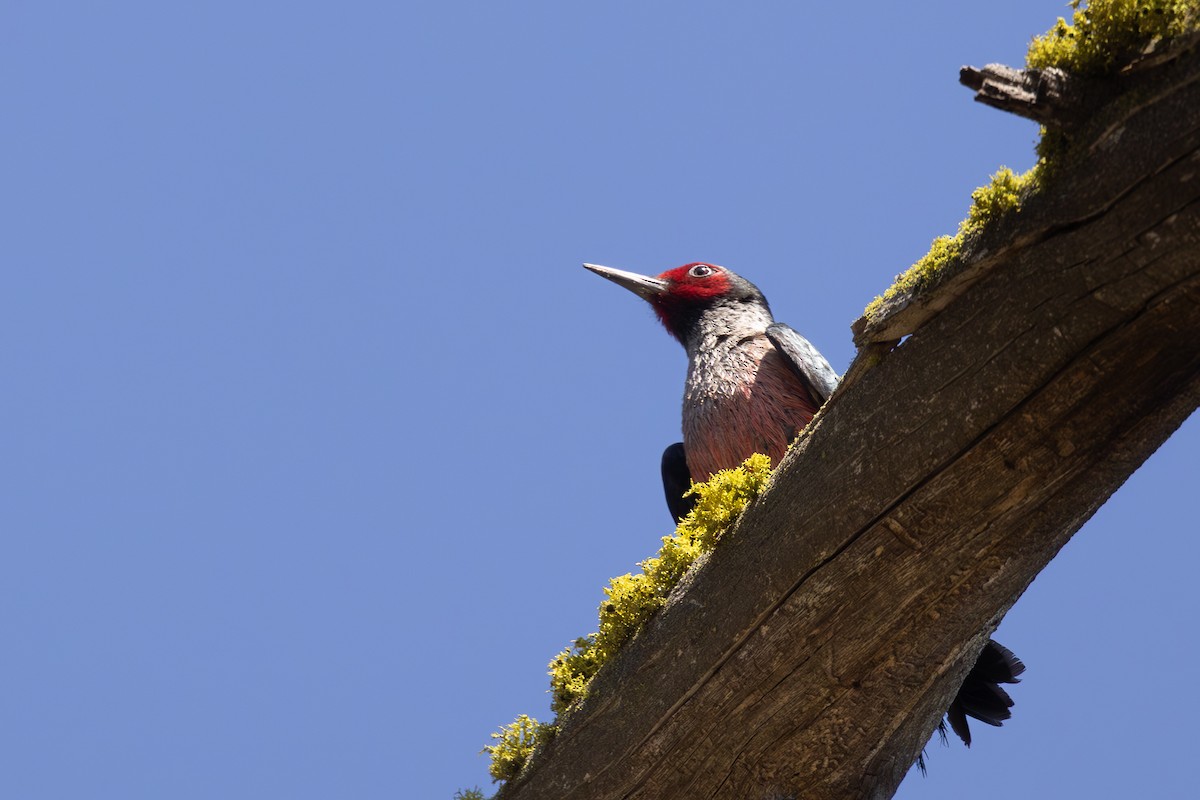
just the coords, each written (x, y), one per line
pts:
(644, 287)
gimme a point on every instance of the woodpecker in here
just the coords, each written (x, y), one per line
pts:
(752, 385)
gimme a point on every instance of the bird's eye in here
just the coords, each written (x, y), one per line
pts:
(700, 271)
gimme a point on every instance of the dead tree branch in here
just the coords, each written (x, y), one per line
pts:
(813, 653)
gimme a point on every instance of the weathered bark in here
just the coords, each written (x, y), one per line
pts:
(1042, 95)
(813, 653)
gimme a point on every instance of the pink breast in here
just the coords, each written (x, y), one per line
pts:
(760, 415)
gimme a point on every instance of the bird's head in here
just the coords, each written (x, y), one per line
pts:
(683, 296)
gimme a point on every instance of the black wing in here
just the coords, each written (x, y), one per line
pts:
(805, 360)
(677, 479)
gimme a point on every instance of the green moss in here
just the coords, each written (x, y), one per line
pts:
(514, 744)
(1104, 37)
(469, 794)
(570, 672)
(1107, 33)
(1001, 196)
(630, 600)
(998, 198)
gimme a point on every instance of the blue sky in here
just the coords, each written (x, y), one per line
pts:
(320, 443)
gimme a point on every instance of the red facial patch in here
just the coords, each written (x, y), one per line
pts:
(685, 286)
(686, 293)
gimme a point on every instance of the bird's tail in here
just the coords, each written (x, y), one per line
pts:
(981, 695)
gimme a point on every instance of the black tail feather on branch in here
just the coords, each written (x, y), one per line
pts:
(981, 697)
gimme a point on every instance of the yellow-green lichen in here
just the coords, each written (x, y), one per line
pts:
(1000, 197)
(631, 599)
(1106, 33)
(514, 744)
(469, 794)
